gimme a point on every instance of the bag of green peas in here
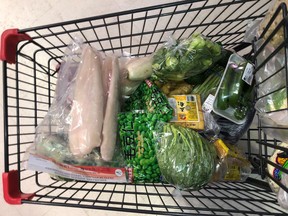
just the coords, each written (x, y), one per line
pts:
(142, 111)
(149, 98)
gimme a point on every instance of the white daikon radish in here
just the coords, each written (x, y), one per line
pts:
(109, 132)
(140, 68)
(87, 110)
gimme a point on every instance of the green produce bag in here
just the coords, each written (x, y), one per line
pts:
(181, 59)
(149, 98)
(185, 158)
(142, 111)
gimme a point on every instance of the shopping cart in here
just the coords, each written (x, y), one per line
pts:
(30, 59)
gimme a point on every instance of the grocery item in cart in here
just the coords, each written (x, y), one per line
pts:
(273, 113)
(127, 86)
(187, 111)
(174, 88)
(278, 38)
(109, 131)
(65, 141)
(280, 158)
(146, 106)
(282, 195)
(232, 163)
(135, 129)
(231, 132)
(210, 85)
(270, 76)
(186, 159)
(235, 95)
(272, 90)
(87, 111)
(180, 59)
(149, 98)
(139, 69)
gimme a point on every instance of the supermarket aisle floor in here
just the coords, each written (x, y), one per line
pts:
(24, 14)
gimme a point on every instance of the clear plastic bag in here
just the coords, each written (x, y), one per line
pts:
(272, 75)
(271, 79)
(180, 59)
(67, 140)
(278, 38)
(232, 163)
(275, 124)
(282, 195)
(127, 86)
(252, 31)
(87, 111)
(186, 159)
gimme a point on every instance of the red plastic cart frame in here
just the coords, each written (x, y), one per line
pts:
(11, 189)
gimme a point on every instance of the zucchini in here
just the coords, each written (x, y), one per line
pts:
(236, 86)
(222, 100)
(244, 102)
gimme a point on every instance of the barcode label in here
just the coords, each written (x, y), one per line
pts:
(248, 74)
(190, 98)
(208, 104)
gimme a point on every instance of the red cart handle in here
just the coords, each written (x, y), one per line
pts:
(9, 40)
(11, 190)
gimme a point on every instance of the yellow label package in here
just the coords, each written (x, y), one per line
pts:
(221, 148)
(187, 111)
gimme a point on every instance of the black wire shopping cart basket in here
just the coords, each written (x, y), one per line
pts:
(30, 58)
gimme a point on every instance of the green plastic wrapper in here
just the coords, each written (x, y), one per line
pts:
(180, 59)
(186, 159)
(149, 98)
(141, 113)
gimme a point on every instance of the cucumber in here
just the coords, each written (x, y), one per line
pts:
(236, 87)
(222, 99)
(244, 102)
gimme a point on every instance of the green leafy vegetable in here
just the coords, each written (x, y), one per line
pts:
(186, 159)
(186, 58)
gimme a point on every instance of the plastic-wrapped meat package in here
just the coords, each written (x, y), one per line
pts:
(109, 132)
(88, 105)
(51, 138)
(68, 139)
